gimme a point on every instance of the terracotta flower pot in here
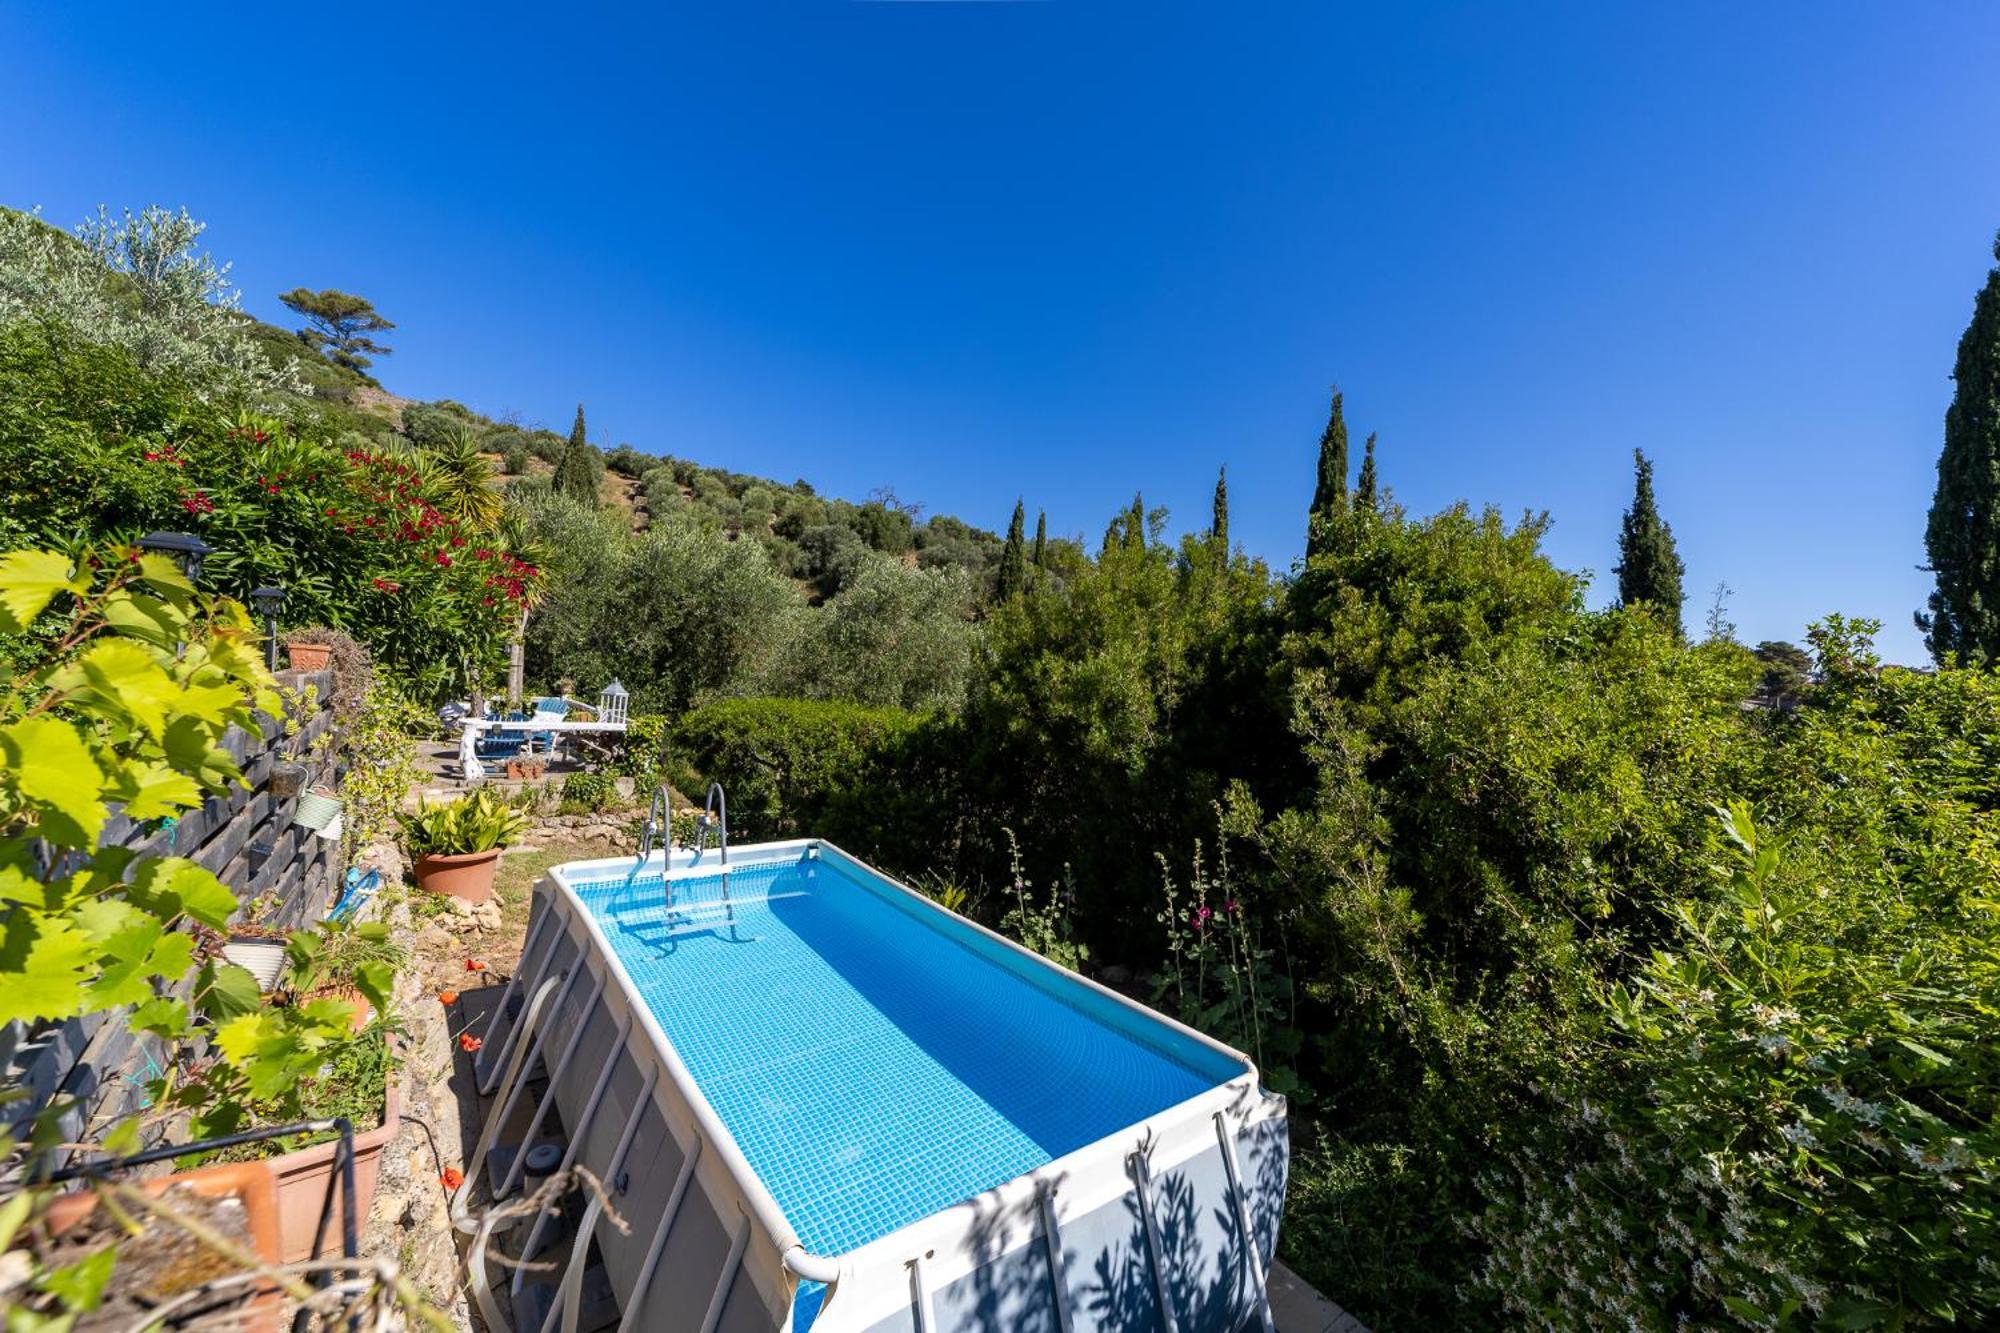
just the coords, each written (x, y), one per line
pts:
(303, 1178)
(363, 1010)
(468, 876)
(250, 1182)
(309, 657)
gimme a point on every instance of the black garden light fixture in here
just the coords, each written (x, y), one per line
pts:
(183, 548)
(269, 601)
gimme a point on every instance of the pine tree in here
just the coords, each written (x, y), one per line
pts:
(1649, 568)
(1041, 539)
(1218, 525)
(1330, 492)
(1962, 537)
(1364, 488)
(1013, 558)
(341, 325)
(574, 475)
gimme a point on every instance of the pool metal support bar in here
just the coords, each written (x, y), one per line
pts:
(512, 1064)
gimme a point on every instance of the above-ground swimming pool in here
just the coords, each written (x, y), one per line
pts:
(823, 1101)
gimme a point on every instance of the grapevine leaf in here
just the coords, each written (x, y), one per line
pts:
(150, 789)
(28, 580)
(126, 675)
(228, 991)
(147, 619)
(161, 1017)
(55, 770)
(168, 886)
(44, 964)
(375, 980)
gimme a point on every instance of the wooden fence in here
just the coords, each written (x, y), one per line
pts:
(247, 838)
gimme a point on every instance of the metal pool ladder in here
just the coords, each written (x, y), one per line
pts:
(659, 824)
(714, 815)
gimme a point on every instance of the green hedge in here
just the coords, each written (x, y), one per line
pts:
(793, 767)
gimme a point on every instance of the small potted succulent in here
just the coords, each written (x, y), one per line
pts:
(456, 844)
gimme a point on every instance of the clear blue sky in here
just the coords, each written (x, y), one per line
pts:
(1067, 250)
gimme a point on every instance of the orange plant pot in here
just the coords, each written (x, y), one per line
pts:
(468, 876)
(303, 1178)
(309, 657)
(251, 1182)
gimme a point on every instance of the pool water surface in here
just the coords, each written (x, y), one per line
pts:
(876, 1060)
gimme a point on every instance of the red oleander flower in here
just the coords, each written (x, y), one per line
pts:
(468, 1042)
(385, 585)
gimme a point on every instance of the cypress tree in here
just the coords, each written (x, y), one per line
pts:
(1649, 568)
(1218, 526)
(1962, 536)
(1330, 491)
(1135, 523)
(1041, 560)
(1013, 559)
(1364, 488)
(574, 475)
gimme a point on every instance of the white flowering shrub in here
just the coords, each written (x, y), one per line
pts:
(1794, 1122)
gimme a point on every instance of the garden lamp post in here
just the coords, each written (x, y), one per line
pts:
(183, 548)
(269, 601)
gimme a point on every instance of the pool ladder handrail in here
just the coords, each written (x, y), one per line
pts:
(714, 815)
(716, 804)
(659, 824)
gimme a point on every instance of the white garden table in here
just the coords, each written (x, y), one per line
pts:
(468, 757)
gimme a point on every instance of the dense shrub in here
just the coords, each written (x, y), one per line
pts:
(1794, 1119)
(897, 637)
(678, 613)
(788, 764)
(359, 538)
(587, 793)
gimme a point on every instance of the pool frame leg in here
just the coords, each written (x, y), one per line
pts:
(516, 1168)
(923, 1310)
(716, 1303)
(1058, 1270)
(586, 1227)
(495, 1056)
(502, 1106)
(1253, 1258)
(1156, 1251)
(576, 1138)
(657, 1246)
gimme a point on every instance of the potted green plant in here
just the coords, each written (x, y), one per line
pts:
(456, 844)
(325, 963)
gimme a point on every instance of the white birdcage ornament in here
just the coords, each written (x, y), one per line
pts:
(613, 704)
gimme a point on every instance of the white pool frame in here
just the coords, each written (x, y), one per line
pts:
(894, 1276)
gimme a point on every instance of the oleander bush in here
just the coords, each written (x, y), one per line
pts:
(359, 537)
